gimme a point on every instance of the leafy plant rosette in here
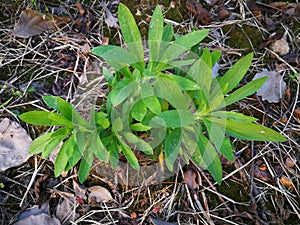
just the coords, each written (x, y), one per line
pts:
(170, 95)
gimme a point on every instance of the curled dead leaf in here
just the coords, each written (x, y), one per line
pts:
(289, 162)
(287, 182)
(280, 46)
(14, 144)
(202, 15)
(273, 89)
(190, 177)
(32, 23)
(98, 194)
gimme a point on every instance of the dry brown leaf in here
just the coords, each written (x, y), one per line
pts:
(280, 47)
(79, 191)
(98, 194)
(287, 182)
(202, 15)
(273, 89)
(110, 20)
(65, 210)
(289, 162)
(190, 179)
(14, 144)
(32, 23)
(36, 216)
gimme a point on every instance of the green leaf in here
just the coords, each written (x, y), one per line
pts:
(114, 154)
(47, 142)
(249, 131)
(238, 117)
(139, 110)
(96, 146)
(216, 134)
(131, 33)
(168, 90)
(235, 74)
(183, 44)
(124, 93)
(129, 154)
(66, 109)
(45, 118)
(215, 55)
(172, 147)
(117, 125)
(139, 127)
(63, 155)
(85, 166)
(153, 104)
(183, 83)
(156, 29)
(73, 153)
(168, 33)
(117, 56)
(201, 71)
(172, 118)
(140, 143)
(244, 91)
(206, 157)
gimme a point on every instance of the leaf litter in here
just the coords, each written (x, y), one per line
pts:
(65, 57)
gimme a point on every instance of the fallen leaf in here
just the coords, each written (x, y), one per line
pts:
(273, 89)
(296, 113)
(37, 216)
(202, 15)
(189, 178)
(32, 23)
(14, 144)
(79, 190)
(110, 20)
(98, 194)
(160, 222)
(66, 210)
(280, 47)
(289, 162)
(287, 182)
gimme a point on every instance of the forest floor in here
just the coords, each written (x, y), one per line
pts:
(261, 186)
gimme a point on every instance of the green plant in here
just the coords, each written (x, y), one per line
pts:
(172, 97)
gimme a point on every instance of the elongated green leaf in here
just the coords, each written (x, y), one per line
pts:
(66, 109)
(45, 118)
(215, 55)
(216, 134)
(121, 95)
(207, 158)
(153, 104)
(97, 147)
(117, 125)
(129, 154)
(114, 154)
(139, 127)
(73, 153)
(65, 152)
(244, 91)
(170, 91)
(139, 110)
(249, 131)
(140, 143)
(85, 166)
(172, 147)
(201, 71)
(131, 33)
(183, 44)
(183, 83)
(47, 142)
(235, 74)
(156, 29)
(117, 56)
(238, 117)
(172, 118)
(168, 33)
